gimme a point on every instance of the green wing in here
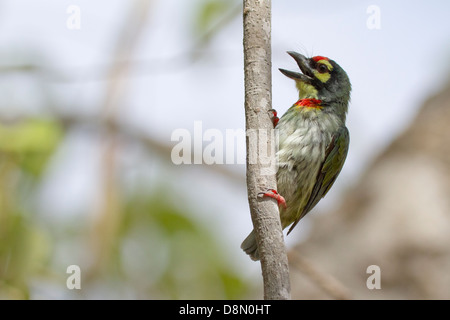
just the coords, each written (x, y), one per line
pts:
(336, 153)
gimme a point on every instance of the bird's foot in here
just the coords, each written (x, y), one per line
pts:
(272, 193)
(274, 117)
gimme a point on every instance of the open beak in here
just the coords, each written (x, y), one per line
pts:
(302, 62)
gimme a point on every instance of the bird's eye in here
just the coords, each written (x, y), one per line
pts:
(322, 68)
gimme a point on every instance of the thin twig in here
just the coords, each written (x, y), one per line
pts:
(324, 280)
(109, 214)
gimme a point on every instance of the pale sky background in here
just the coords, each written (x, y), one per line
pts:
(392, 69)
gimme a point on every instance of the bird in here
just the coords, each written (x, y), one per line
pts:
(313, 141)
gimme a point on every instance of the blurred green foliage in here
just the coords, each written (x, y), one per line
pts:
(129, 243)
(188, 261)
(157, 250)
(25, 148)
(30, 143)
(208, 12)
(209, 18)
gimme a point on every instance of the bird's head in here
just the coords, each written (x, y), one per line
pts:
(321, 78)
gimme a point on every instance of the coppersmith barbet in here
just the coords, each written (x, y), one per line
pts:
(313, 141)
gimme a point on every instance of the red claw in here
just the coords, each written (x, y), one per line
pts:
(272, 193)
(274, 117)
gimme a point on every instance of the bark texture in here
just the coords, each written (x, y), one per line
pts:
(260, 140)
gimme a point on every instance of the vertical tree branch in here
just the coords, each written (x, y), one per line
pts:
(258, 101)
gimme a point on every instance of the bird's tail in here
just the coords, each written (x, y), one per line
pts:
(250, 247)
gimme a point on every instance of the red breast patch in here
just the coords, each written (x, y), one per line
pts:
(309, 103)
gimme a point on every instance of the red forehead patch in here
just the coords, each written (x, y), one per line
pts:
(318, 58)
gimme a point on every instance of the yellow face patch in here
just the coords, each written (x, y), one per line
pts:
(327, 63)
(306, 90)
(324, 77)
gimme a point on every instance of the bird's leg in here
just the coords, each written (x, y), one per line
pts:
(272, 193)
(274, 117)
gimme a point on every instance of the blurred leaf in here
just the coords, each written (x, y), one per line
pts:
(173, 222)
(24, 251)
(234, 287)
(178, 258)
(210, 17)
(30, 143)
(208, 12)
